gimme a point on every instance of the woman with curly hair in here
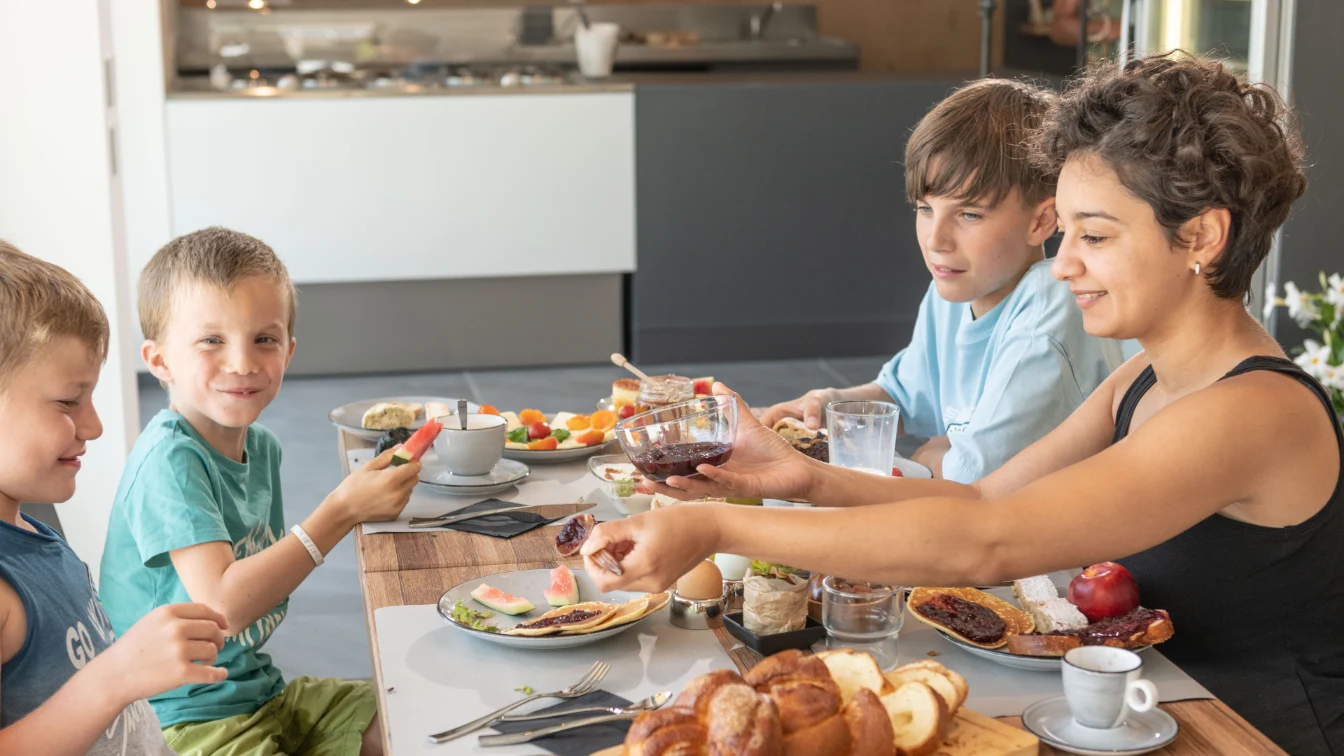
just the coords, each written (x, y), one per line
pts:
(1209, 463)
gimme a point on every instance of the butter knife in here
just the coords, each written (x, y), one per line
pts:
(518, 738)
(545, 512)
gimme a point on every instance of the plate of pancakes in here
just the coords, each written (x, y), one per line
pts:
(997, 601)
(596, 616)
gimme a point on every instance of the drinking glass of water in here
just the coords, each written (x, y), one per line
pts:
(862, 435)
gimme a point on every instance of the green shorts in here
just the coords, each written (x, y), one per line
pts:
(310, 717)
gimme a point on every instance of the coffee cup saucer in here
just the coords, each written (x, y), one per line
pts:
(505, 474)
(1051, 721)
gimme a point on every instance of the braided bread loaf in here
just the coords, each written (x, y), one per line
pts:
(788, 705)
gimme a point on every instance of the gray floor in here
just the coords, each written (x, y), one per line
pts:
(324, 633)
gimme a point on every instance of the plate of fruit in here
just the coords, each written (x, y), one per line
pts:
(1030, 626)
(544, 609)
(536, 437)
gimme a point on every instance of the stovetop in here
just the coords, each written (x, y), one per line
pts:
(415, 78)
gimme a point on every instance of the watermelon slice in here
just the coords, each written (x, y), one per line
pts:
(416, 446)
(501, 601)
(703, 386)
(564, 591)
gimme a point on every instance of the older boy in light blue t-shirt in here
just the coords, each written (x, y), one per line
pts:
(999, 356)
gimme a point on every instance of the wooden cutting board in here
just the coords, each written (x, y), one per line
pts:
(972, 735)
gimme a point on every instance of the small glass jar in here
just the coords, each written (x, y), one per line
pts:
(662, 390)
(864, 617)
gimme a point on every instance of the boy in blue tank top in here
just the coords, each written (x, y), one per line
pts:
(999, 356)
(65, 687)
(199, 516)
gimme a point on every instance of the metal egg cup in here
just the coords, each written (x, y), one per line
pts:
(699, 614)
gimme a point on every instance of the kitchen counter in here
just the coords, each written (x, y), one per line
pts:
(198, 88)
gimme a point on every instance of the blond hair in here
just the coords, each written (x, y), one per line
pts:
(40, 302)
(215, 256)
(974, 145)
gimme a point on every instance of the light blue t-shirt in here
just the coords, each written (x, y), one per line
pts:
(178, 491)
(996, 384)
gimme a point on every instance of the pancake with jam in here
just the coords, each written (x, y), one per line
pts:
(578, 617)
(970, 615)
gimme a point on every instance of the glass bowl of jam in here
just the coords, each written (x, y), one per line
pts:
(678, 438)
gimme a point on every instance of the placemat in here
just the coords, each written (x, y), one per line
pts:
(436, 677)
(548, 484)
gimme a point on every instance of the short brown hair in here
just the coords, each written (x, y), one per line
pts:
(1187, 135)
(40, 302)
(973, 145)
(216, 256)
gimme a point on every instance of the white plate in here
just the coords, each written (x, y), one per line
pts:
(537, 457)
(910, 469)
(1051, 721)
(348, 416)
(530, 585)
(505, 475)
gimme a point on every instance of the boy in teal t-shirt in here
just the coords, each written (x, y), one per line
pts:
(198, 515)
(999, 356)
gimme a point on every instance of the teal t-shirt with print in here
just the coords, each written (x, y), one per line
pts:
(178, 491)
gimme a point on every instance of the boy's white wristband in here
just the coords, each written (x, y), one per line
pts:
(307, 542)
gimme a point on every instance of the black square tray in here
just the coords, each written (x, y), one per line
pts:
(765, 645)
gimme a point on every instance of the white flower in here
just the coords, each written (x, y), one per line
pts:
(1271, 298)
(1335, 293)
(1300, 306)
(1333, 377)
(1315, 359)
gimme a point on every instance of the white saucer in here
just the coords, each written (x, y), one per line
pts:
(505, 475)
(1051, 721)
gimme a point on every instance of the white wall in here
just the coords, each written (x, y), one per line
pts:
(59, 201)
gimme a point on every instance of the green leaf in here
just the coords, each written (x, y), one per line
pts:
(465, 615)
(518, 435)
(560, 434)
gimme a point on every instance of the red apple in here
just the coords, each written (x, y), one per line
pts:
(1104, 590)
(538, 430)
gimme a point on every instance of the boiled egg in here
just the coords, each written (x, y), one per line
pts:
(703, 582)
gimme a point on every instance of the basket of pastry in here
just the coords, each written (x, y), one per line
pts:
(835, 703)
(1102, 609)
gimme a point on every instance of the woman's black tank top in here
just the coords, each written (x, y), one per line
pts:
(1258, 611)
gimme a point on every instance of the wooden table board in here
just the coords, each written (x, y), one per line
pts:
(406, 569)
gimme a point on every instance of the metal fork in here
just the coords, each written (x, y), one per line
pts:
(587, 684)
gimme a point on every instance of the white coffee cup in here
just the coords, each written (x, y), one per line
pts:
(596, 48)
(474, 451)
(1103, 683)
(733, 566)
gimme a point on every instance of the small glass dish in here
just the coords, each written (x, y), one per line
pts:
(621, 482)
(676, 439)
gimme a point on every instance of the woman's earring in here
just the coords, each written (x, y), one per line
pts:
(1197, 268)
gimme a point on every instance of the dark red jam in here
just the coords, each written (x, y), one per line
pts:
(818, 449)
(570, 618)
(965, 618)
(573, 533)
(662, 462)
(1122, 628)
